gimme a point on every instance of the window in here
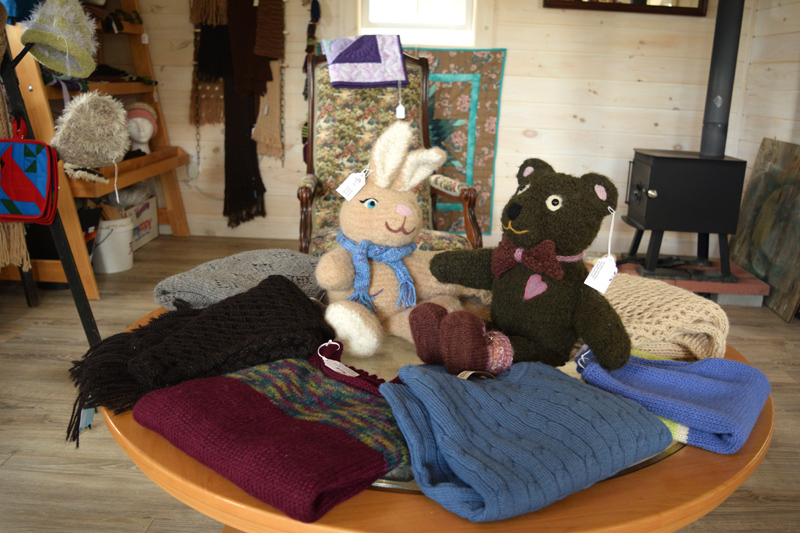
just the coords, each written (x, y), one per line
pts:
(421, 22)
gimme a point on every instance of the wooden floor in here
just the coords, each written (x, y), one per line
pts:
(48, 485)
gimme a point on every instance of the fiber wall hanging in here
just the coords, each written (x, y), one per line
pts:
(464, 113)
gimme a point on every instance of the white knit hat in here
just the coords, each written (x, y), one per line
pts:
(63, 37)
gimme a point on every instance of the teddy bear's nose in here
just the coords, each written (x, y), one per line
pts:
(404, 210)
(513, 211)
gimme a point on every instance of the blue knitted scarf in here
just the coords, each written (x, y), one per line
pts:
(362, 252)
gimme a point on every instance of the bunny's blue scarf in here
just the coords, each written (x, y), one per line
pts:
(362, 252)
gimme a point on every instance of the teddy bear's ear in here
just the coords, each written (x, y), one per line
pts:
(602, 188)
(389, 152)
(420, 164)
(532, 167)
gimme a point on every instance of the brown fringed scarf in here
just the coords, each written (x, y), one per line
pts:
(13, 249)
(209, 12)
(212, 62)
(207, 94)
(274, 320)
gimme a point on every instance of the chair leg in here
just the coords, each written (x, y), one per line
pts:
(74, 280)
(29, 286)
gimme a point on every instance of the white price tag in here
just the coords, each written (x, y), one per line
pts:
(339, 367)
(602, 273)
(400, 112)
(145, 39)
(350, 187)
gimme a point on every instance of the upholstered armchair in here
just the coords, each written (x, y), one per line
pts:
(342, 125)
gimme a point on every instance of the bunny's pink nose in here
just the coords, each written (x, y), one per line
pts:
(404, 210)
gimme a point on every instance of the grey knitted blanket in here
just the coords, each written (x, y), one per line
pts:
(219, 279)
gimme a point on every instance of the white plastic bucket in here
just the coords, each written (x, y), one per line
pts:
(113, 249)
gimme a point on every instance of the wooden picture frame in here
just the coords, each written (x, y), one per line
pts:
(633, 6)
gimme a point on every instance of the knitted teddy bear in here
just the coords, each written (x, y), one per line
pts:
(376, 275)
(540, 304)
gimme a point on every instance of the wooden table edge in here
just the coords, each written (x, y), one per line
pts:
(633, 507)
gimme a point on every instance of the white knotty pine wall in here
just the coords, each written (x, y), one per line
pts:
(771, 106)
(582, 89)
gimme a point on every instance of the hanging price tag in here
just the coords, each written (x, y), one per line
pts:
(350, 187)
(602, 274)
(339, 367)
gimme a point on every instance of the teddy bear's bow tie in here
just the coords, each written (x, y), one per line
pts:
(541, 258)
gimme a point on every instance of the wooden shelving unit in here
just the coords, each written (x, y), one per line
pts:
(161, 162)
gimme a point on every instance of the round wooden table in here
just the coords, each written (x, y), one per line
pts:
(664, 496)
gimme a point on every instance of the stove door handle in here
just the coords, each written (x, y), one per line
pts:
(652, 193)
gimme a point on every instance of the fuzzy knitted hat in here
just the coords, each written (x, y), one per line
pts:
(289, 433)
(490, 449)
(92, 131)
(63, 37)
(142, 110)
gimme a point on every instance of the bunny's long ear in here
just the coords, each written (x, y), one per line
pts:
(420, 164)
(389, 152)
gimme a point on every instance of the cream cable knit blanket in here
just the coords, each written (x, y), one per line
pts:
(667, 320)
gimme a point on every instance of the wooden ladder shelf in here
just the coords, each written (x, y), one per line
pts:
(161, 162)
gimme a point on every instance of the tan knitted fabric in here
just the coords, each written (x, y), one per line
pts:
(267, 131)
(667, 320)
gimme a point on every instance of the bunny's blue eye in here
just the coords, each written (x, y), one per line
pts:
(371, 203)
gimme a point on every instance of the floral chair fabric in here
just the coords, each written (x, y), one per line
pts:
(341, 133)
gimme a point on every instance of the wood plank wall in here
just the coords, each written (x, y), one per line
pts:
(582, 89)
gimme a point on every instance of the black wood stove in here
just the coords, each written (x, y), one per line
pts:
(697, 192)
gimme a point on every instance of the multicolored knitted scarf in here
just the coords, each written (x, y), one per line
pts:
(294, 434)
(362, 252)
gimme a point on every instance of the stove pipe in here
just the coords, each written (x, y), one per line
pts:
(720, 78)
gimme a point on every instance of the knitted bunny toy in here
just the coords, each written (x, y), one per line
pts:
(540, 303)
(376, 275)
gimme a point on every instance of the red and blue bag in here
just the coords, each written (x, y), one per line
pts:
(28, 180)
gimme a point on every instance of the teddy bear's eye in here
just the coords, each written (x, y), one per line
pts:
(371, 203)
(554, 202)
(522, 188)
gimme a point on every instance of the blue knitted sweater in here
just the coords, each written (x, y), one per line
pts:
(492, 449)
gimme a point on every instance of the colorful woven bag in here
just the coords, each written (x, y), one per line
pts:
(28, 180)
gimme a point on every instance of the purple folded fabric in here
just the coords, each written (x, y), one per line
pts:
(365, 61)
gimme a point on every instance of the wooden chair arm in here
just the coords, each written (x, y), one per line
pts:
(305, 193)
(454, 191)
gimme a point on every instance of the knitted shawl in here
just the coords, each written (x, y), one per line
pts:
(492, 449)
(294, 434)
(666, 320)
(271, 321)
(715, 402)
(222, 278)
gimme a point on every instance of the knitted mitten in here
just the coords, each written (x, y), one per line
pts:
(466, 345)
(424, 321)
